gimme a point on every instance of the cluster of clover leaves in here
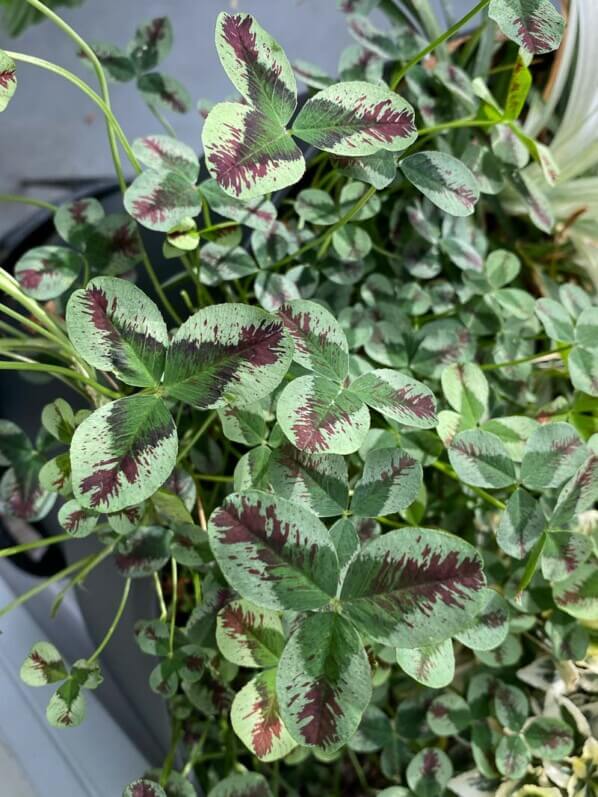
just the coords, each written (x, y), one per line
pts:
(367, 459)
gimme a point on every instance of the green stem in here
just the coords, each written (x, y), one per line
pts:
(27, 322)
(114, 624)
(173, 605)
(9, 285)
(177, 732)
(31, 546)
(97, 66)
(434, 44)
(160, 596)
(456, 123)
(31, 593)
(531, 358)
(59, 370)
(158, 287)
(448, 471)
(201, 431)
(26, 200)
(363, 782)
(209, 477)
(111, 120)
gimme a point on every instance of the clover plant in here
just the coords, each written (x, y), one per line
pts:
(350, 432)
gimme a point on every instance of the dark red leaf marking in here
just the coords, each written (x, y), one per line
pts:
(438, 710)
(155, 206)
(106, 481)
(269, 725)
(77, 211)
(29, 278)
(74, 520)
(493, 619)
(430, 763)
(124, 240)
(532, 34)
(322, 712)
(156, 30)
(7, 76)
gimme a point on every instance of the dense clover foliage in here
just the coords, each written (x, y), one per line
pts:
(361, 467)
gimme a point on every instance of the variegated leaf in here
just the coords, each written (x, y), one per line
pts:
(256, 720)
(356, 118)
(259, 214)
(414, 587)
(480, 458)
(375, 731)
(249, 784)
(579, 494)
(563, 553)
(151, 44)
(8, 79)
(249, 153)
(15, 446)
(164, 153)
(73, 220)
(162, 91)
(577, 595)
(432, 666)
(583, 370)
(275, 553)
(160, 200)
(227, 354)
(22, 494)
(378, 170)
(535, 25)
(429, 772)
(43, 665)
(55, 475)
(320, 481)
(67, 707)
(520, 525)
(448, 714)
(46, 272)
(249, 636)
(510, 706)
(116, 327)
(514, 431)
(122, 453)
(319, 416)
(323, 682)
(490, 627)
(586, 328)
(398, 397)
(466, 389)
(346, 541)
(247, 425)
(501, 267)
(144, 788)
(320, 343)
(444, 180)
(223, 263)
(512, 757)
(390, 482)
(549, 738)
(311, 75)
(256, 65)
(75, 520)
(58, 419)
(116, 63)
(552, 455)
(144, 552)
(273, 290)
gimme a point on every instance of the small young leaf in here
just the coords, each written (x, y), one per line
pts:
(66, 708)
(116, 63)
(413, 587)
(122, 453)
(249, 153)
(356, 118)
(223, 263)
(75, 520)
(446, 181)
(259, 214)
(429, 772)
(398, 397)
(249, 636)
(578, 594)
(466, 390)
(563, 553)
(161, 200)
(152, 43)
(159, 90)
(521, 524)
(256, 65)
(46, 272)
(227, 354)
(276, 554)
(549, 738)
(552, 455)
(58, 419)
(580, 492)
(448, 714)
(144, 552)
(378, 170)
(319, 416)
(555, 319)
(533, 24)
(480, 459)
(255, 717)
(432, 666)
(73, 220)
(8, 79)
(319, 481)
(43, 665)
(312, 75)
(320, 343)
(116, 327)
(323, 682)
(501, 267)
(390, 482)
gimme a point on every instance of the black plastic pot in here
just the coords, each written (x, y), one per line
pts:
(139, 711)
